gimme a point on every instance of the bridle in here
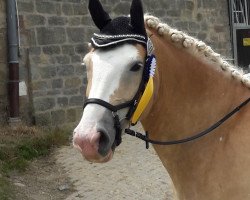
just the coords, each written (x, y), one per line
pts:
(132, 104)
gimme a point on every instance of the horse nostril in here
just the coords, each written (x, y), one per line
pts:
(104, 143)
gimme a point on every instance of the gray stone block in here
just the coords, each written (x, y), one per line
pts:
(65, 70)
(47, 72)
(57, 21)
(46, 7)
(74, 21)
(64, 59)
(58, 117)
(50, 50)
(62, 101)
(68, 49)
(51, 35)
(81, 49)
(80, 9)
(40, 85)
(80, 70)
(76, 101)
(35, 50)
(43, 119)
(73, 82)
(71, 115)
(43, 104)
(53, 92)
(76, 34)
(26, 6)
(34, 20)
(57, 83)
(76, 59)
(70, 91)
(122, 8)
(67, 9)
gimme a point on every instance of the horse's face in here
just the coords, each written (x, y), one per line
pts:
(113, 76)
(114, 70)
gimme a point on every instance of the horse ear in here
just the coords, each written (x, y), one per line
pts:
(137, 16)
(99, 15)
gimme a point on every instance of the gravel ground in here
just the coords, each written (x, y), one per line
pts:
(133, 173)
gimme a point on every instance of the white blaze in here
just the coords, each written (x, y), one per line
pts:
(108, 68)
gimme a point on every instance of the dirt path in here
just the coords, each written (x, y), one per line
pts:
(134, 173)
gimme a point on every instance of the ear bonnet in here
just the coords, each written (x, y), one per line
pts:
(119, 30)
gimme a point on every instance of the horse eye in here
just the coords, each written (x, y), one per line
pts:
(136, 67)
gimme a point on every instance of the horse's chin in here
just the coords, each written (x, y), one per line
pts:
(101, 159)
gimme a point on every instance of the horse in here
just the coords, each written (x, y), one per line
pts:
(192, 88)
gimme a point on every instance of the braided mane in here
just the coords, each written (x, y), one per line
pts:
(196, 47)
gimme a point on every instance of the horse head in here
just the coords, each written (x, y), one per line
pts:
(116, 75)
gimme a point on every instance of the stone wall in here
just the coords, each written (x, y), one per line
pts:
(3, 64)
(54, 36)
(53, 42)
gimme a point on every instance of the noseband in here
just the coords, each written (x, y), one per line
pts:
(117, 125)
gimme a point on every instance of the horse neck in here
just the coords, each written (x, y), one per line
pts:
(191, 96)
(191, 93)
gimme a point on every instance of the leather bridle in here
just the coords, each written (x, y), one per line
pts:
(132, 104)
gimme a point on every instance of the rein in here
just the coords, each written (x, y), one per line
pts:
(191, 138)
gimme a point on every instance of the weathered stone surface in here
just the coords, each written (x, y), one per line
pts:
(58, 117)
(53, 92)
(57, 21)
(26, 6)
(73, 82)
(81, 48)
(76, 101)
(51, 35)
(40, 85)
(80, 70)
(70, 91)
(122, 8)
(34, 20)
(62, 101)
(67, 9)
(71, 115)
(35, 51)
(3, 89)
(64, 59)
(51, 50)
(57, 83)
(74, 21)
(65, 70)
(54, 37)
(43, 104)
(47, 72)
(76, 59)
(46, 7)
(76, 34)
(80, 9)
(68, 49)
(43, 119)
